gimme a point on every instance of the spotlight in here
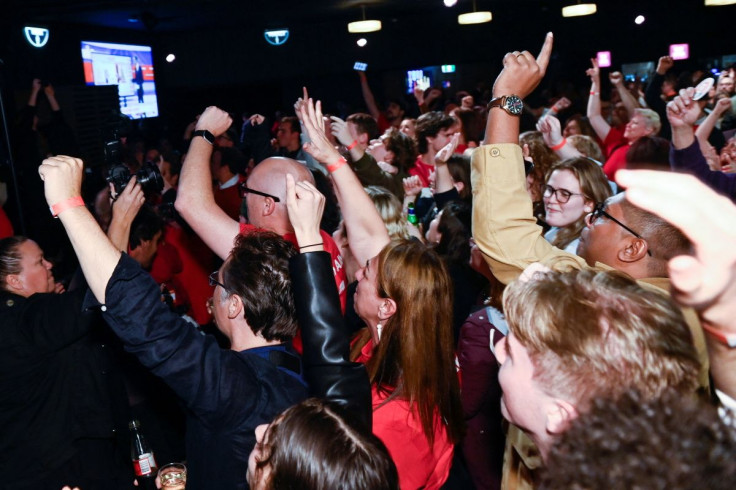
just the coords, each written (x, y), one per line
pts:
(362, 42)
(170, 57)
(718, 3)
(639, 19)
(450, 3)
(475, 17)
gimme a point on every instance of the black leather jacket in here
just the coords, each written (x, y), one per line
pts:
(326, 358)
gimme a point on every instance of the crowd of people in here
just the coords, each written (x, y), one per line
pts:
(465, 292)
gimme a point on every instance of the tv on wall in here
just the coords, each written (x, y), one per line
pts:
(128, 66)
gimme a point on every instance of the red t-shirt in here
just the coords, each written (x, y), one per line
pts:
(616, 147)
(229, 199)
(422, 170)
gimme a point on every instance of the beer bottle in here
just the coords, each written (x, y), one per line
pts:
(144, 463)
(411, 216)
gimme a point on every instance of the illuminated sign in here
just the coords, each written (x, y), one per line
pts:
(36, 36)
(448, 68)
(679, 51)
(604, 59)
(276, 37)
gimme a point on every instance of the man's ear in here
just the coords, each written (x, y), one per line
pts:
(269, 206)
(634, 249)
(234, 306)
(13, 282)
(387, 309)
(559, 415)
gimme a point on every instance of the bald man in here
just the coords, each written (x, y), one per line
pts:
(264, 193)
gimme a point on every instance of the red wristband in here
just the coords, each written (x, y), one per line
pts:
(727, 338)
(352, 145)
(559, 145)
(335, 166)
(594, 93)
(60, 207)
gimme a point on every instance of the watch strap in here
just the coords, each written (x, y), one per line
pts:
(208, 137)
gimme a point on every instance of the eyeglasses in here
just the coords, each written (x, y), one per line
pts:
(600, 210)
(562, 195)
(245, 190)
(214, 282)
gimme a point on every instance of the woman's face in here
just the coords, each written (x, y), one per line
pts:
(257, 479)
(562, 214)
(572, 127)
(407, 127)
(35, 274)
(366, 299)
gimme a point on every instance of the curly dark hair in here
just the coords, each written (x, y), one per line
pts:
(257, 270)
(403, 148)
(671, 442)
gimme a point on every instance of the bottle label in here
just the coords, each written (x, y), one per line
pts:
(144, 465)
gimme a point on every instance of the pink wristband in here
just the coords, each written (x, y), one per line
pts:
(60, 207)
(335, 166)
(594, 93)
(352, 145)
(559, 145)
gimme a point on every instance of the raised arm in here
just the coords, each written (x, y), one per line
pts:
(443, 179)
(370, 101)
(195, 200)
(627, 99)
(326, 358)
(706, 127)
(124, 210)
(504, 226)
(551, 131)
(368, 234)
(98, 257)
(705, 281)
(600, 126)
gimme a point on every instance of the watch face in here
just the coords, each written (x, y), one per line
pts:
(514, 105)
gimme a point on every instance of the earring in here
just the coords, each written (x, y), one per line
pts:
(379, 327)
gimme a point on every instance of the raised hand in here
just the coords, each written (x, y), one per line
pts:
(467, 102)
(706, 280)
(126, 205)
(305, 205)
(299, 102)
(446, 152)
(341, 131)
(256, 119)
(722, 106)
(616, 78)
(561, 104)
(62, 176)
(522, 72)
(318, 146)
(36, 84)
(683, 111)
(49, 90)
(412, 186)
(594, 72)
(664, 64)
(214, 120)
(551, 130)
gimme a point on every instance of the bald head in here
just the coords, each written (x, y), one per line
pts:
(269, 177)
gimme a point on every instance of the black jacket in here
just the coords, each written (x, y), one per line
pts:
(328, 370)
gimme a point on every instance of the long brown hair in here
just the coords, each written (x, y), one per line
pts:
(415, 359)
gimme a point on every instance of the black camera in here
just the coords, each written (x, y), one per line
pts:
(148, 177)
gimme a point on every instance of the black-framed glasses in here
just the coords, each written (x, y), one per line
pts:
(600, 210)
(562, 195)
(214, 282)
(244, 189)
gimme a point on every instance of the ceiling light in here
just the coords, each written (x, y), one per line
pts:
(579, 9)
(170, 57)
(450, 3)
(639, 19)
(364, 25)
(362, 42)
(475, 17)
(718, 3)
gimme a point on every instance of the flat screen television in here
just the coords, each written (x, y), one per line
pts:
(128, 66)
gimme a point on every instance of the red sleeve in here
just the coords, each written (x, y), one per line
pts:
(383, 123)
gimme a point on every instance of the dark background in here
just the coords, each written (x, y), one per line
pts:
(223, 59)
